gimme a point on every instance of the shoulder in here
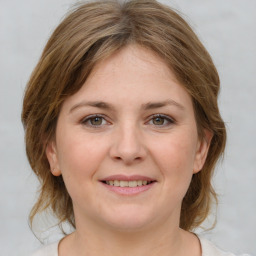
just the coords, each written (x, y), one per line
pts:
(209, 249)
(49, 250)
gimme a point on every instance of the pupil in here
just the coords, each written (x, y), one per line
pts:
(96, 121)
(158, 120)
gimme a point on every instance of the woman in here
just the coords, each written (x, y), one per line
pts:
(123, 131)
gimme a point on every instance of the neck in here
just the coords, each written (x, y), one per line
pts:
(164, 240)
(132, 243)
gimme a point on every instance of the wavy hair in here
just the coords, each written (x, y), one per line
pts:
(94, 31)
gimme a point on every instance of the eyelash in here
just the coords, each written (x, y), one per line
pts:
(169, 120)
(91, 117)
(166, 118)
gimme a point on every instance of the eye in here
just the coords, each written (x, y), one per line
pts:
(94, 121)
(161, 120)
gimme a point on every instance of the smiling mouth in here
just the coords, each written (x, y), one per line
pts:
(130, 184)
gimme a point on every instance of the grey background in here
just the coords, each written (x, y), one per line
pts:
(228, 30)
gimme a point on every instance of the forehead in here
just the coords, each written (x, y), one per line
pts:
(133, 75)
(133, 58)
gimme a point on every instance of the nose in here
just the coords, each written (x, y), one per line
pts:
(128, 145)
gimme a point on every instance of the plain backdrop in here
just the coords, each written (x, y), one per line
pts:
(227, 29)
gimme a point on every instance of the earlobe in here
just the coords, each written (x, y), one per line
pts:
(202, 150)
(51, 154)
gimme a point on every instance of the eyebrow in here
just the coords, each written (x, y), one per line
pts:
(108, 106)
(153, 105)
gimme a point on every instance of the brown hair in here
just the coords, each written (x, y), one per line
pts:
(92, 32)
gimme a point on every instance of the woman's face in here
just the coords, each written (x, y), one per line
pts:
(127, 144)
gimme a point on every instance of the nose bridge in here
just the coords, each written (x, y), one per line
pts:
(128, 142)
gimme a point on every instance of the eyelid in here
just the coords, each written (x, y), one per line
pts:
(89, 117)
(84, 120)
(166, 117)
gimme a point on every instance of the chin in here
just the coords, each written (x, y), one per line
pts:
(129, 220)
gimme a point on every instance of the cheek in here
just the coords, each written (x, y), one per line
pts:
(79, 161)
(80, 156)
(175, 156)
(175, 162)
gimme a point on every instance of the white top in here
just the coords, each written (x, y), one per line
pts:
(208, 249)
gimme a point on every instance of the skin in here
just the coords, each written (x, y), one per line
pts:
(130, 140)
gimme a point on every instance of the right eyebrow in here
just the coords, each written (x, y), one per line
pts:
(96, 104)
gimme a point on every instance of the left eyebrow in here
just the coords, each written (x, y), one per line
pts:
(154, 105)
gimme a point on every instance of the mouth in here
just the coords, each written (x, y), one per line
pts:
(125, 183)
(128, 185)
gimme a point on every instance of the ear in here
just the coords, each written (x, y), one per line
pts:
(51, 154)
(202, 150)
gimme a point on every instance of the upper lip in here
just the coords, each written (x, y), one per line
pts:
(127, 178)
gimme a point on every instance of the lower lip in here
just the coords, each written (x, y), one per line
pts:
(127, 191)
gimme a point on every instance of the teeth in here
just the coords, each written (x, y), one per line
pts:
(124, 183)
(139, 183)
(133, 184)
